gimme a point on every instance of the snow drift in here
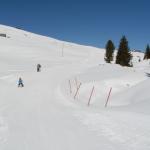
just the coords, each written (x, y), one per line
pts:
(45, 115)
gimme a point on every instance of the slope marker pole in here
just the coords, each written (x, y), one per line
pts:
(90, 96)
(62, 51)
(108, 97)
(70, 87)
(76, 82)
(77, 90)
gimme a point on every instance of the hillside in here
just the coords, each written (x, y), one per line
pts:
(44, 114)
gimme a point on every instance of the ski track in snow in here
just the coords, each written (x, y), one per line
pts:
(129, 132)
(44, 115)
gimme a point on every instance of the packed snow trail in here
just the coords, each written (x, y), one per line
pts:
(36, 120)
(43, 115)
(39, 119)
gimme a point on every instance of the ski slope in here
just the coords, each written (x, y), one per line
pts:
(44, 114)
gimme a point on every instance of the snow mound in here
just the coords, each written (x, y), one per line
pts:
(50, 108)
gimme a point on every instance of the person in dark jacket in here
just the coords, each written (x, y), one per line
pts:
(38, 67)
(20, 83)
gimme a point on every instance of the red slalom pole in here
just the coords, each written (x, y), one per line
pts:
(77, 90)
(76, 82)
(108, 97)
(70, 86)
(90, 96)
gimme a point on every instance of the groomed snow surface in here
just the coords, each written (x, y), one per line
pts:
(46, 114)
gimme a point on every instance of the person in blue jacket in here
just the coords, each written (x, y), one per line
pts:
(20, 83)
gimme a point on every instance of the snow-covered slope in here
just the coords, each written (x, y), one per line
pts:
(45, 115)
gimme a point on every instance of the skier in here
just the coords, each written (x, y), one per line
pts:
(20, 83)
(38, 67)
(139, 59)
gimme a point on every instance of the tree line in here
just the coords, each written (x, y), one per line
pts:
(123, 56)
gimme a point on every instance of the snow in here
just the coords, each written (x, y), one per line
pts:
(45, 115)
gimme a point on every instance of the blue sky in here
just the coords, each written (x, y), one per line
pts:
(89, 22)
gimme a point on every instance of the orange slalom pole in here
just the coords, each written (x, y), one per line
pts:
(90, 96)
(76, 82)
(70, 87)
(77, 90)
(108, 97)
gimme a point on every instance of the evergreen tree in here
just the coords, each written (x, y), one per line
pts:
(109, 51)
(147, 53)
(123, 55)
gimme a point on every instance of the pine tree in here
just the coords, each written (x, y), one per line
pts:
(147, 53)
(109, 51)
(123, 55)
